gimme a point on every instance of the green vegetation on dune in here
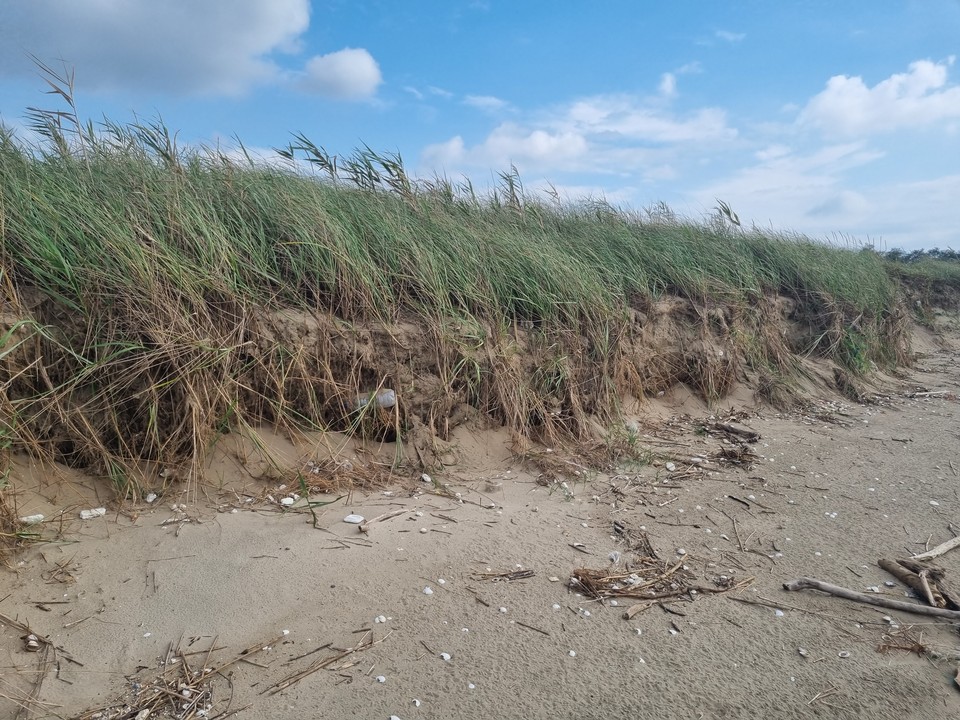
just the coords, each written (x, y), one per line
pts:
(149, 276)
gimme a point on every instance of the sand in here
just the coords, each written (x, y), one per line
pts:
(835, 488)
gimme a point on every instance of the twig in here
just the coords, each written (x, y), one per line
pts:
(939, 550)
(531, 627)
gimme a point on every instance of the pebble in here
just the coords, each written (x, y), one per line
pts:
(93, 513)
(935, 503)
(150, 497)
(287, 501)
(471, 686)
(503, 609)
(445, 657)
(556, 607)
(670, 467)
(428, 591)
(423, 531)
(426, 478)
(572, 653)
(31, 519)
(381, 679)
(380, 619)
(843, 654)
(441, 581)
(778, 613)
(353, 519)
(416, 703)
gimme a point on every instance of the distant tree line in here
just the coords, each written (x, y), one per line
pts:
(900, 255)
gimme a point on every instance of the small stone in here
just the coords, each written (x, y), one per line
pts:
(381, 679)
(572, 653)
(503, 609)
(150, 497)
(426, 478)
(778, 613)
(31, 519)
(93, 513)
(556, 607)
(441, 581)
(471, 686)
(553, 578)
(843, 654)
(423, 531)
(353, 519)
(416, 703)
(681, 551)
(935, 503)
(445, 657)
(670, 467)
(288, 501)
(428, 591)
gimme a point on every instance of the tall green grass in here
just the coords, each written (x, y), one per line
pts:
(153, 272)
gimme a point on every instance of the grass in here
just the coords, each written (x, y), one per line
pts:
(156, 296)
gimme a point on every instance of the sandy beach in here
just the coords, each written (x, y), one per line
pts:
(412, 619)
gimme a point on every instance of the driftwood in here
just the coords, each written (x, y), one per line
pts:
(915, 579)
(939, 550)
(810, 584)
(938, 576)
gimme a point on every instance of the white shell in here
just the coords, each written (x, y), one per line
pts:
(94, 513)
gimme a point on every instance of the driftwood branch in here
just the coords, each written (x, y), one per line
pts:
(939, 550)
(914, 579)
(810, 584)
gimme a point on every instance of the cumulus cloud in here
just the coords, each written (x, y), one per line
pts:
(508, 143)
(629, 117)
(348, 74)
(176, 46)
(179, 47)
(606, 134)
(920, 97)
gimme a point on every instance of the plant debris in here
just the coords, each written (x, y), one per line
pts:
(504, 576)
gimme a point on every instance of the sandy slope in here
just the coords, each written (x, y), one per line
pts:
(826, 500)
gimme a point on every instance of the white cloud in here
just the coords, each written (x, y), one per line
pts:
(176, 46)
(508, 143)
(630, 117)
(690, 68)
(920, 97)
(668, 85)
(348, 74)
(439, 92)
(413, 91)
(487, 103)
(730, 37)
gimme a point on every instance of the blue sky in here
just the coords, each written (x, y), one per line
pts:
(839, 120)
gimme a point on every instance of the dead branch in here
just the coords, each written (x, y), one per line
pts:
(810, 584)
(939, 550)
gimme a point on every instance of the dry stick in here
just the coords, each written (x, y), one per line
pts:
(939, 550)
(811, 584)
(364, 527)
(531, 627)
(913, 580)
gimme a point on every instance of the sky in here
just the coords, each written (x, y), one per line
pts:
(836, 120)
